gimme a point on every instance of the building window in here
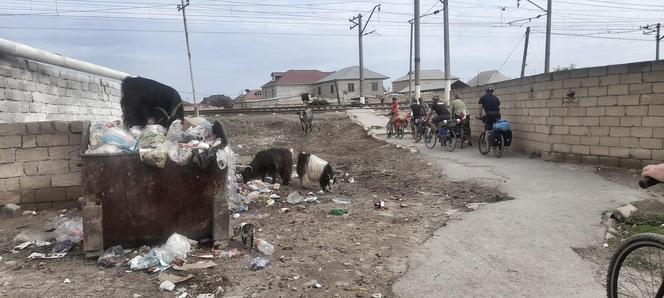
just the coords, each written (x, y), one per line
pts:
(332, 89)
(351, 87)
(319, 93)
(374, 86)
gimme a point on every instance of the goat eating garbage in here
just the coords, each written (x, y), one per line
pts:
(146, 101)
(273, 162)
(312, 168)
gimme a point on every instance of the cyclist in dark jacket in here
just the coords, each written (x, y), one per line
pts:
(490, 106)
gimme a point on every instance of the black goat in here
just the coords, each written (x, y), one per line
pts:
(270, 162)
(144, 99)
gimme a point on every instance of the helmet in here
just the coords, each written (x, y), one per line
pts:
(394, 98)
(490, 88)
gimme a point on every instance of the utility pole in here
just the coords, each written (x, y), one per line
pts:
(182, 7)
(654, 28)
(547, 52)
(360, 34)
(410, 66)
(446, 37)
(416, 20)
(525, 52)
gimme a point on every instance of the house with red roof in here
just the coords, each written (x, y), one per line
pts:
(292, 83)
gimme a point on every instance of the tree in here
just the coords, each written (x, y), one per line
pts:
(218, 101)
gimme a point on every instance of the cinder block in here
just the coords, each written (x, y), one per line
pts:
(618, 69)
(629, 100)
(645, 88)
(588, 159)
(650, 143)
(658, 155)
(638, 153)
(655, 99)
(562, 148)
(10, 142)
(572, 140)
(52, 140)
(641, 132)
(590, 121)
(63, 152)
(590, 141)
(580, 149)
(69, 179)
(588, 102)
(579, 130)
(619, 131)
(615, 111)
(579, 73)
(637, 110)
(76, 126)
(658, 87)
(572, 83)
(50, 195)
(656, 110)
(639, 67)
(35, 182)
(558, 111)
(74, 192)
(47, 127)
(630, 121)
(596, 111)
(609, 80)
(618, 89)
(7, 155)
(609, 121)
(650, 122)
(30, 168)
(597, 71)
(631, 78)
(9, 197)
(553, 120)
(609, 161)
(572, 120)
(11, 170)
(618, 152)
(8, 184)
(12, 129)
(629, 163)
(590, 82)
(598, 91)
(32, 154)
(599, 131)
(75, 165)
(607, 100)
(53, 167)
(658, 133)
(653, 77)
(628, 142)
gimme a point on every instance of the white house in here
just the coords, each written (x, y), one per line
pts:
(344, 84)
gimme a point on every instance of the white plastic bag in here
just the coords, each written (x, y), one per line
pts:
(104, 149)
(175, 131)
(118, 137)
(70, 230)
(176, 246)
(179, 153)
(155, 128)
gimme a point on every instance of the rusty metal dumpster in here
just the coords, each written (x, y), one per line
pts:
(130, 203)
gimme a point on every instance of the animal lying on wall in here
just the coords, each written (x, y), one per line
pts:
(312, 168)
(273, 162)
(146, 101)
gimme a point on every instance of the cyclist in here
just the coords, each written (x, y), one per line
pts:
(442, 113)
(394, 112)
(459, 111)
(654, 171)
(490, 105)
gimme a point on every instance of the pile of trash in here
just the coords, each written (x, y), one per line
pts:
(62, 233)
(191, 141)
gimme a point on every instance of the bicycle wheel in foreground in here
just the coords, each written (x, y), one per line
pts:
(483, 146)
(637, 268)
(430, 138)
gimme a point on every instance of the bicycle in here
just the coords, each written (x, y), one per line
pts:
(499, 142)
(636, 268)
(445, 134)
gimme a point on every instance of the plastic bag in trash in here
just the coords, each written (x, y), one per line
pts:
(197, 132)
(155, 129)
(258, 263)
(118, 137)
(136, 131)
(113, 256)
(175, 131)
(176, 246)
(179, 153)
(96, 131)
(62, 246)
(226, 159)
(70, 230)
(104, 149)
(154, 157)
(198, 121)
(151, 140)
(143, 262)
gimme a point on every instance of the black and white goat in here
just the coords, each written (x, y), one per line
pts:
(144, 100)
(273, 162)
(312, 168)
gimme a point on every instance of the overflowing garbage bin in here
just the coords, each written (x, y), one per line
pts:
(131, 203)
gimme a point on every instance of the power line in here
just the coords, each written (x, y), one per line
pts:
(511, 52)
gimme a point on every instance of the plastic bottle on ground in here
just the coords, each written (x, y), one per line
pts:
(265, 247)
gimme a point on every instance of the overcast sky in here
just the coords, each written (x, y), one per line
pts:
(236, 44)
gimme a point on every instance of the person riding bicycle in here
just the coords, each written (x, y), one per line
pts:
(490, 105)
(394, 111)
(459, 111)
(442, 113)
(417, 111)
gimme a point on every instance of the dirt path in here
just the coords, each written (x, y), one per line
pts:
(355, 255)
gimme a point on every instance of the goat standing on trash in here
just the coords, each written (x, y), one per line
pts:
(273, 162)
(146, 101)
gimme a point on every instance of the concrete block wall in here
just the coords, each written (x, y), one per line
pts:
(611, 115)
(31, 91)
(40, 166)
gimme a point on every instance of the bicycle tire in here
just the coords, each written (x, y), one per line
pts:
(482, 144)
(462, 136)
(498, 149)
(450, 141)
(630, 245)
(430, 138)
